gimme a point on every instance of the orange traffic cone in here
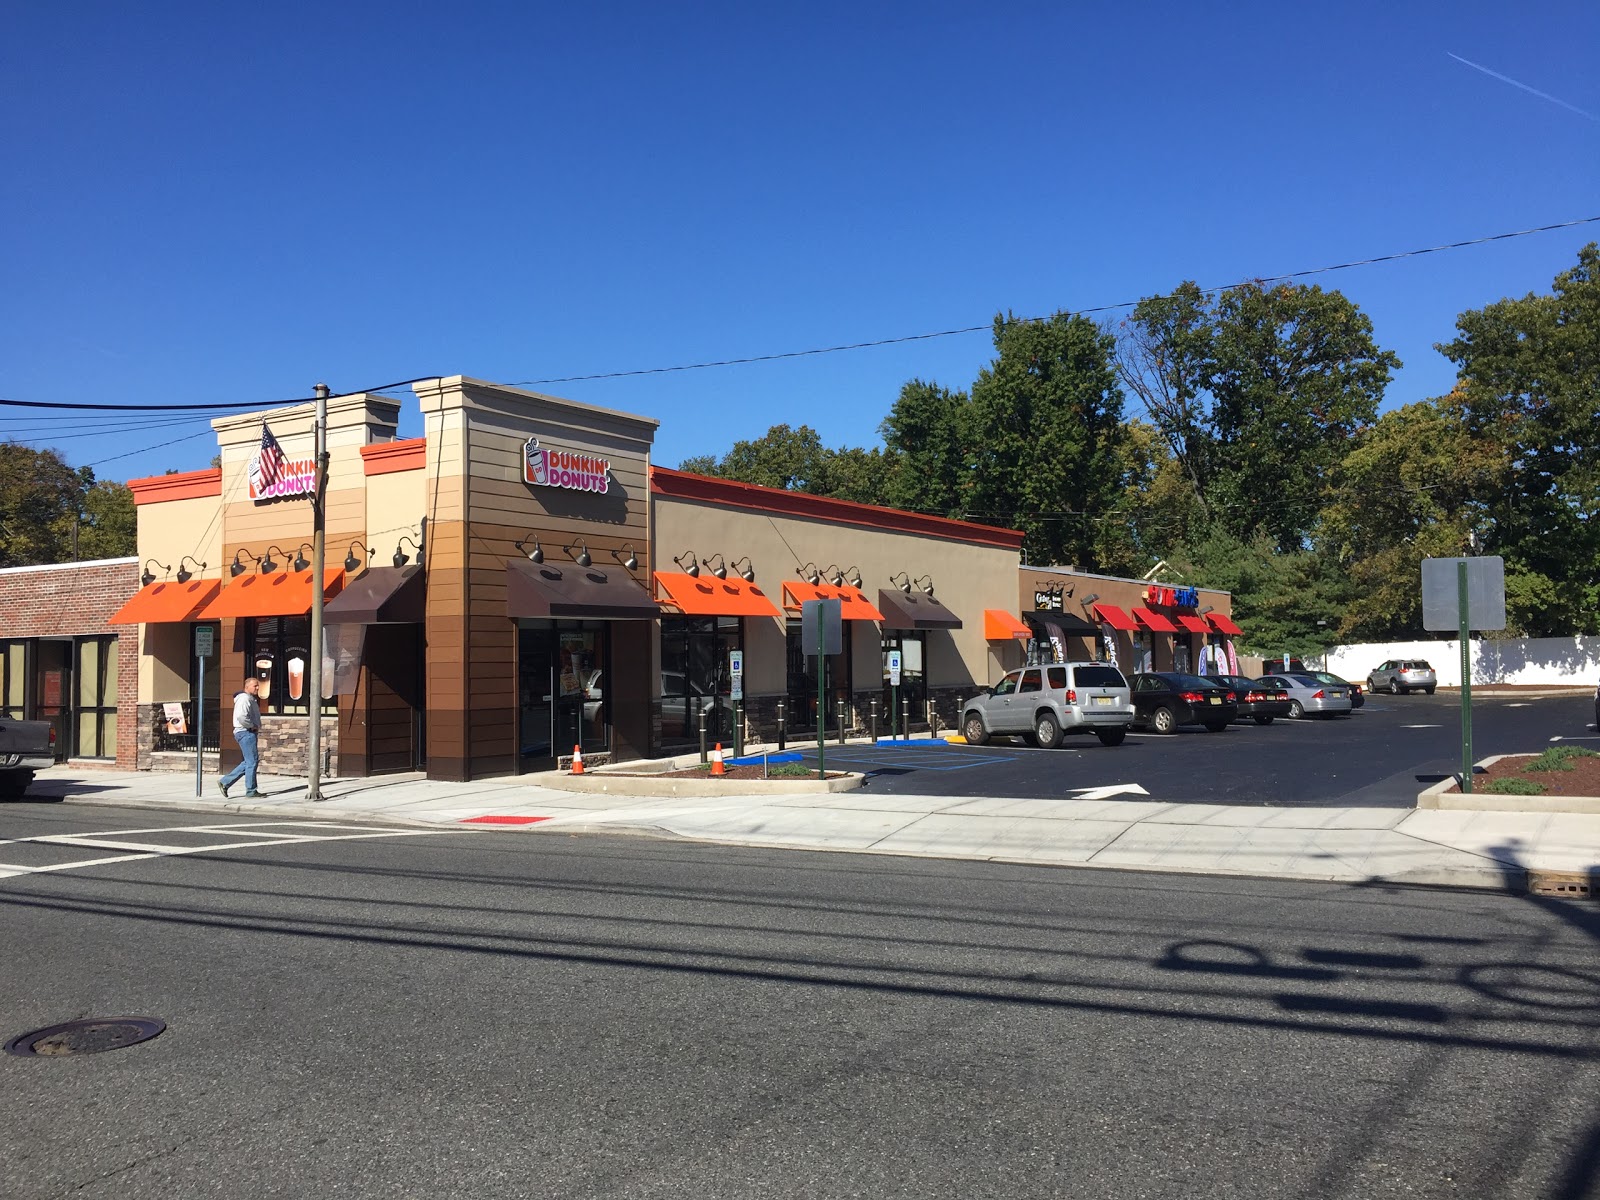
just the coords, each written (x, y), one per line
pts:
(716, 761)
(577, 760)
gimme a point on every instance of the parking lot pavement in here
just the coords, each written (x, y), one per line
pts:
(1381, 756)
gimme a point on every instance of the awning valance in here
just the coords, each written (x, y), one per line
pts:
(166, 602)
(708, 596)
(278, 594)
(1060, 624)
(381, 596)
(1193, 623)
(546, 590)
(1155, 621)
(1116, 618)
(853, 605)
(1223, 623)
(914, 610)
(1001, 626)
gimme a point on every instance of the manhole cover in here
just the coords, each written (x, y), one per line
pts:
(90, 1036)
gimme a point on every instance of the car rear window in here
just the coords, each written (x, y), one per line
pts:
(1099, 677)
(1419, 665)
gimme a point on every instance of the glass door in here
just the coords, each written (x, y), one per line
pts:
(535, 688)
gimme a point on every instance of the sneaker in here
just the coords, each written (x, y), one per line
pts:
(222, 787)
(253, 795)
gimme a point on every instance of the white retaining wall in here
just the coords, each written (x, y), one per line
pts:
(1569, 661)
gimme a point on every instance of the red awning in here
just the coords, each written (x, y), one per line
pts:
(853, 605)
(1116, 618)
(166, 602)
(1155, 621)
(708, 596)
(1193, 623)
(999, 626)
(277, 594)
(1223, 623)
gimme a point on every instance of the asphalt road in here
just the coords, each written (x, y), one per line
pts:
(491, 1014)
(1382, 755)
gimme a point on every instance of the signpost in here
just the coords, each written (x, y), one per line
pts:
(894, 692)
(821, 633)
(204, 648)
(736, 691)
(1464, 594)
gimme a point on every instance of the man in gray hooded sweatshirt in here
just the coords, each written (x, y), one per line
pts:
(246, 727)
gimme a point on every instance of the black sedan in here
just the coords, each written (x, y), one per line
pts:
(1163, 700)
(1256, 698)
(1356, 698)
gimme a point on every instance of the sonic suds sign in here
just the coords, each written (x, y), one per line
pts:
(564, 469)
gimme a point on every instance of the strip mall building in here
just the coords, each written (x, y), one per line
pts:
(521, 580)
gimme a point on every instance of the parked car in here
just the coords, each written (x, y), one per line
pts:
(1042, 703)
(1357, 699)
(1309, 696)
(1259, 701)
(25, 747)
(1401, 675)
(1164, 700)
(1282, 666)
(1597, 707)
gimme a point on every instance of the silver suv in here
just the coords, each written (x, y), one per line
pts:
(1401, 675)
(1041, 703)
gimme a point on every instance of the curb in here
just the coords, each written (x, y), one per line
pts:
(1442, 796)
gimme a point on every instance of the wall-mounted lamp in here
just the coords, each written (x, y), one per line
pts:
(352, 564)
(721, 569)
(149, 577)
(926, 584)
(746, 572)
(301, 562)
(184, 574)
(1089, 599)
(534, 555)
(1206, 609)
(690, 568)
(632, 561)
(810, 573)
(268, 564)
(583, 559)
(833, 575)
(905, 582)
(400, 556)
(853, 577)
(237, 568)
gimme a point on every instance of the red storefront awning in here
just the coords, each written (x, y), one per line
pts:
(853, 605)
(166, 602)
(1000, 626)
(1155, 621)
(278, 594)
(708, 596)
(1193, 623)
(1223, 623)
(1116, 618)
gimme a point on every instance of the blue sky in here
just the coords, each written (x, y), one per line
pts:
(211, 203)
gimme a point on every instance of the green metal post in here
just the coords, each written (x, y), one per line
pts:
(1466, 678)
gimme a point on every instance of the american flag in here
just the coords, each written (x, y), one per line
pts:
(268, 462)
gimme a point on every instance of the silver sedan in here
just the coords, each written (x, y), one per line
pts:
(1308, 696)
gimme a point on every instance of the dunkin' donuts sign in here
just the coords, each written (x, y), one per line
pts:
(564, 469)
(274, 475)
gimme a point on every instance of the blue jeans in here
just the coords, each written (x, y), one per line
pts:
(247, 744)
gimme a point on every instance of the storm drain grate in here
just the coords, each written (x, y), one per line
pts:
(1574, 885)
(89, 1036)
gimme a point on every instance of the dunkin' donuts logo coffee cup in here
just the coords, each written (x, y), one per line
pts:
(297, 677)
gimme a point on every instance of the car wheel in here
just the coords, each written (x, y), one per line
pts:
(1296, 710)
(1216, 726)
(972, 729)
(1163, 720)
(14, 784)
(1263, 720)
(1111, 737)
(1394, 687)
(1428, 690)
(1047, 730)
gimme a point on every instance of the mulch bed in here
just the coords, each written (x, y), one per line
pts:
(1582, 780)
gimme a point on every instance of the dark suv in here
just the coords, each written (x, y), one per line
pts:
(1163, 700)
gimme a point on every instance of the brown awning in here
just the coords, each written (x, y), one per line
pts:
(914, 610)
(381, 596)
(547, 590)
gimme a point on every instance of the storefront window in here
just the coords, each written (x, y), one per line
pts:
(13, 679)
(561, 687)
(695, 679)
(95, 713)
(913, 647)
(801, 716)
(280, 654)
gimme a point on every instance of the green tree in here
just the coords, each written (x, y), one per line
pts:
(797, 461)
(927, 439)
(1047, 434)
(110, 526)
(46, 504)
(1285, 602)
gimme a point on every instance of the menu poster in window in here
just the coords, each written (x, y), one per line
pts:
(294, 661)
(175, 719)
(261, 667)
(50, 692)
(574, 663)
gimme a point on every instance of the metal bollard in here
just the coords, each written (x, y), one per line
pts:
(841, 722)
(781, 730)
(874, 718)
(738, 730)
(905, 719)
(933, 720)
(704, 757)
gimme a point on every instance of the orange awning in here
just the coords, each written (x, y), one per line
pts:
(1193, 623)
(708, 596)
(1155, 621)
(1000, 626)
(853, 605)
(278, 594)
(1223, 623)
(1116, 618)
(166, 601)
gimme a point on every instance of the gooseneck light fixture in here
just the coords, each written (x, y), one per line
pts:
(237, 568)
(582, 559)
(401, 558)
(690, 568)
(1089, 599)
(631, 563)
(721, 569)
(534, 555)
(926, 584)
(149, 576)
(905, 582)
(833, 575)
(810, 573)
(746, 572)
(852, 576)
(268, 563)
(352, 564)
(301, 562)
(184, 574)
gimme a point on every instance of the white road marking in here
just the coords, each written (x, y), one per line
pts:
(1518, 704)
(126, 839)
(1107, 791)
(1422, 727)
(1582, 737)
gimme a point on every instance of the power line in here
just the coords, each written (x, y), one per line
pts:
(231, 406)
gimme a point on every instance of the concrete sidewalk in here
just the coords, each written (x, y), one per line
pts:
(1495, 850)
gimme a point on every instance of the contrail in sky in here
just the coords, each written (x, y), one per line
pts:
(1542, 95)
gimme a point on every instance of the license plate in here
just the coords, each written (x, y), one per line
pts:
(1337, 695)
(1216, 699)
(1104, 699)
